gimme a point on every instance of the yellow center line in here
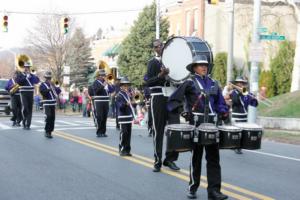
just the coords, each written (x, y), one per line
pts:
(184, 175)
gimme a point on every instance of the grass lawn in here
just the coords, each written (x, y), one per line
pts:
(286, 105)
(282, 136)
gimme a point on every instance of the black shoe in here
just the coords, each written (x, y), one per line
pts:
(156, 168)
(48, 135)
(191, 195)
(128, 154)
(18, 124)
(99, 135)
(214, 195)
(171, 165)
(14, 124)
(123, 153)
(238, 151)
(104, 135)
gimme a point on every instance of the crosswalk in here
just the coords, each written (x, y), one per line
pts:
(62, 124)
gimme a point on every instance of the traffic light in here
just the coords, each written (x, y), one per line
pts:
(65, 25)
(5, 23)
(213, 1)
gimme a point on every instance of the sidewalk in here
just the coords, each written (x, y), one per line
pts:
(280, 123)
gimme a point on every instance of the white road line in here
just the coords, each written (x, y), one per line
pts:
(40, 121)
(4, 126)
(68, 123)
(274, 155)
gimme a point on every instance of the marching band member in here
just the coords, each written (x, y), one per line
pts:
(148, 106)
(240, 102)
(50, 95)
(26, 80)
(204, 99)
(125, 116)
(155, 80)
(16, 105)
(116, 90)
(101, 101)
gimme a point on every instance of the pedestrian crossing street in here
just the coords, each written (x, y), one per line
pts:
(64, 123)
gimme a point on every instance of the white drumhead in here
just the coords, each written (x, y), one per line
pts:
(229, 128)
(176, 56)
(180, 127)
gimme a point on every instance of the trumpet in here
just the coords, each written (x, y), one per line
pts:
(242, 90)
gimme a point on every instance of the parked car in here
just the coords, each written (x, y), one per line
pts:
(4, 98)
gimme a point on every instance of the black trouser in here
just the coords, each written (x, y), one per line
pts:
(125, 138)
(102, 108)
(213, 167)
(150, 122)
(16, 107)
(27, 103)
(50, 118)
(160, 117)
(117, 120)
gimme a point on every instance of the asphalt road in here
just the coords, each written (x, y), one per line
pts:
(75, 164)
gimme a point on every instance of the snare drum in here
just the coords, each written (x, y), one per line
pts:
(206, 134)
(178, 52)
(230, 137)
(251, 135)
(179, 137)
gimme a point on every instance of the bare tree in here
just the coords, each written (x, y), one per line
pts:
(48, 45)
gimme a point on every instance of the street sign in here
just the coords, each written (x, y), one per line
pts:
(262, 29)
(256, 53)
(66, 70)
(66, 80)
(272, 37)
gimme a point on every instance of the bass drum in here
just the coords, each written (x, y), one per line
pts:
(178, 52)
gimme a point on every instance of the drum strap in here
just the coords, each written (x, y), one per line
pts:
(200, 88)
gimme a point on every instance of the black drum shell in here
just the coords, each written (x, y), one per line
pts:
(207, 137)
(230, 139)
(251, 139)
(179, 140)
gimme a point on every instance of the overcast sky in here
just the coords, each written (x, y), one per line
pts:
(18, 23)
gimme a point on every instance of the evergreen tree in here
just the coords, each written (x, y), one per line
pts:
(79, 58)
(281, 68)
(219, 70)
(136, 48)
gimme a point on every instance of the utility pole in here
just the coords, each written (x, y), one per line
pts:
(202, 18)
(252, 111)
(157, 19)
(230, 4)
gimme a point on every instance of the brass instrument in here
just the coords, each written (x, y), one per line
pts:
(110, 77)
(56, 83)
(14, 89)
(242, 90)
(21, 60)
(33, 71)
(137, 97)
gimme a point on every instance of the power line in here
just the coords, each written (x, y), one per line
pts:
(74, 13)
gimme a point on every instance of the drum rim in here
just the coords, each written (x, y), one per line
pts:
(222, 128)
(188, 126)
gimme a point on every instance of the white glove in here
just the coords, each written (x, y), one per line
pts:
(28, 75)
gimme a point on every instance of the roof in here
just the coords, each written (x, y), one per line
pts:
(112, 51)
